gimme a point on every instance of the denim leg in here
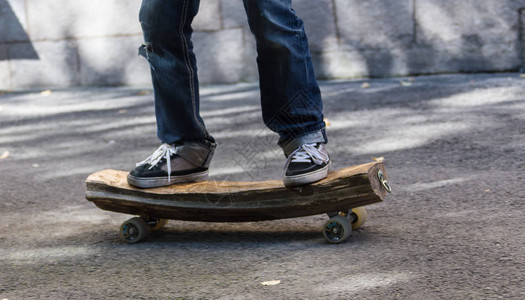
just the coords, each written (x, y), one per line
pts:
(290, 96)
(167, 31)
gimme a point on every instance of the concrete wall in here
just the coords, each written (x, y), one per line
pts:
(50, 43)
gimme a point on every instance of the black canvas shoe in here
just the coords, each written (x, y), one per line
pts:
(171, 164)
(307, 164)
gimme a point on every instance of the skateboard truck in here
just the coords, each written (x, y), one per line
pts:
(137, 228)
(340, 225)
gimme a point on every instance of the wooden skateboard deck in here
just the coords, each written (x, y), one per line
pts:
(227, 201)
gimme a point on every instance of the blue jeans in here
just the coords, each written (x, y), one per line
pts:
(290, 96)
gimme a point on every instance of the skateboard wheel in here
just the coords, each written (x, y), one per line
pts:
(134, 230)
(158, 225)
(337, 229)
(358, 217)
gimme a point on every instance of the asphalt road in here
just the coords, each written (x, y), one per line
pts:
(452, 229)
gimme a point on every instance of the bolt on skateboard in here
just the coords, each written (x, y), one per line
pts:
(341, 196)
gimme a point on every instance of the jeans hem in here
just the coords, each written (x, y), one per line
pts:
(315, 136)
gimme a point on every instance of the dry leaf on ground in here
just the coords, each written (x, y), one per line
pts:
(45, 93)
(143, 93)
(405, 83)
(4, 155)
(271, 282)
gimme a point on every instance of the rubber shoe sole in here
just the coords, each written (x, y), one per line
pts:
(307, 178)
(152, 182)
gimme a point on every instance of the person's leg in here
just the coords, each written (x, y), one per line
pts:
(167, 31)
(187, 147)
(290, 96)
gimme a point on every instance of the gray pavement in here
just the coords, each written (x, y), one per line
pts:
(453, 228)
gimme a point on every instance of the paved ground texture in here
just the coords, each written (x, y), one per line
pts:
(452, 229)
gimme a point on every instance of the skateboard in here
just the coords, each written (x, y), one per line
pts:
(341, 196)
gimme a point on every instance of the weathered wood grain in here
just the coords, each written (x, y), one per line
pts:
(227, 201)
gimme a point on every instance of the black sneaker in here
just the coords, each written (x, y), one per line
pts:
(307, 164)
(171, 164)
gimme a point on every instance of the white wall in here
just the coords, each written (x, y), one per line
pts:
(51, 43)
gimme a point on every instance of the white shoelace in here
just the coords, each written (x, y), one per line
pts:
(307, 153)
(164, 151)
